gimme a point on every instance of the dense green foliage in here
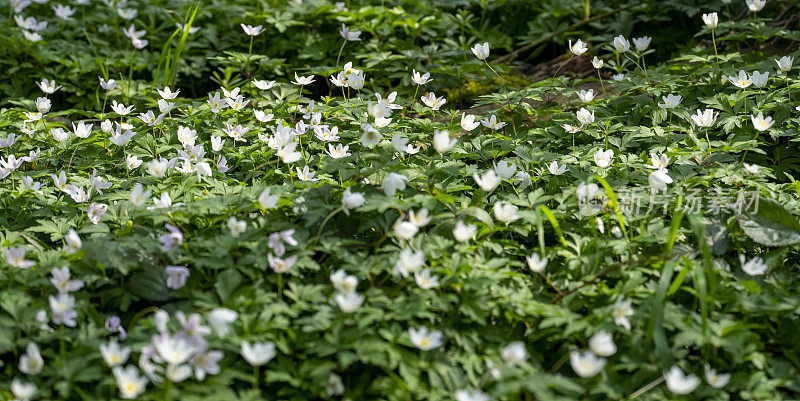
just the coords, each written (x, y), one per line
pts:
(546, 243)
(429, 35)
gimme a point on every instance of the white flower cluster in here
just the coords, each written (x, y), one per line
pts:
(174, 357)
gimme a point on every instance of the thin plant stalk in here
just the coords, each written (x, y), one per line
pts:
(552, 83)
(249, 54)
(637, 64)
(325, 220)
(280, 287)
(338, 57)
(788, 89)
(508, 100)
(714, 42)
(755, 138)
(562, 65)
(601, 82)
(744, 90)
(646, 388)
(300, 95)
(130, 74)
(255, 375)
(644, 64)
(574, 154)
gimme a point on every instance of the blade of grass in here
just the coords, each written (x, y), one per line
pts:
(167, 67)
(554, 222)
(676, 284)
(182, 42)
(699, 277)
(540, 234)
(655, 329)
(675, 225)
(163, 60)
(614, 204)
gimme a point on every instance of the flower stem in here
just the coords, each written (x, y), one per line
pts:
(255, 376)
(564, 358)
(552, 83)
(714, 41)
(646, 388)
(562, 65)
(340, 52)
(644, 65)
(249, 53)
(755, 138)
(280, 294)
(787, 87)
(508, 100)
(130, 74)
(325, 220)
(62, 350)
(601, 82)
(495, 72)
(744, 90)
(573, 147)
(300, 95)
(637, 64)
(167, 389)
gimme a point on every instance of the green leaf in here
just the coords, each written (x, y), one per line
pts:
(150, 284)
(480, 214)
(771, 225)
(227, 282)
